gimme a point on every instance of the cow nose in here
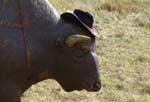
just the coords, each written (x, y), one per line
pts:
(96, 86)
(92, 86)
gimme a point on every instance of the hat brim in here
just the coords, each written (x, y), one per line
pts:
(71, 17)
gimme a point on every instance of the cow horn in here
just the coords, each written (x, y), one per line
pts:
(74, 39)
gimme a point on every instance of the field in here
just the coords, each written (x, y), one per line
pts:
(123, 49)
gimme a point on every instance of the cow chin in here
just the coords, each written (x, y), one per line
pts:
(90, 86)
(70, 88)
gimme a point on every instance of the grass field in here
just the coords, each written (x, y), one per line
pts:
(123, 49)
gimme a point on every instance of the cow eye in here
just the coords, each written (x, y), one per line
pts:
(79, 53)
(79, 56)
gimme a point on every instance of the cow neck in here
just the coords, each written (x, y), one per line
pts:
(51, 21)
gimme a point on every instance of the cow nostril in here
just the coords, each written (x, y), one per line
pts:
(97, 86)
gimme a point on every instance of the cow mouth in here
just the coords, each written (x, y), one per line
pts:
(89, 86)
(92, 86)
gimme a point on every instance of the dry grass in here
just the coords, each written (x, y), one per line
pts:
(118, 7)
(123, 49)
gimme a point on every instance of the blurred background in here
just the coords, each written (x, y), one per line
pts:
(123, 49)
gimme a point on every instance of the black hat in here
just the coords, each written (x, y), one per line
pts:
(84, 19)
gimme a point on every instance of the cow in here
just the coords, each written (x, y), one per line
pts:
(36, 43)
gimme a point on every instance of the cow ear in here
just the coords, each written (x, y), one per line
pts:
(75, 39)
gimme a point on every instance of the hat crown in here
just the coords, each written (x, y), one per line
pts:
(82, 19)
(85, 17)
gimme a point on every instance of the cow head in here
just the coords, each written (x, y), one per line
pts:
(77, 63)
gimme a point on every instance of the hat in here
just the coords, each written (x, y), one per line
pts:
(84, 19)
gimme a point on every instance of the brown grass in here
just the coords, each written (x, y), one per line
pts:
(119, 7)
